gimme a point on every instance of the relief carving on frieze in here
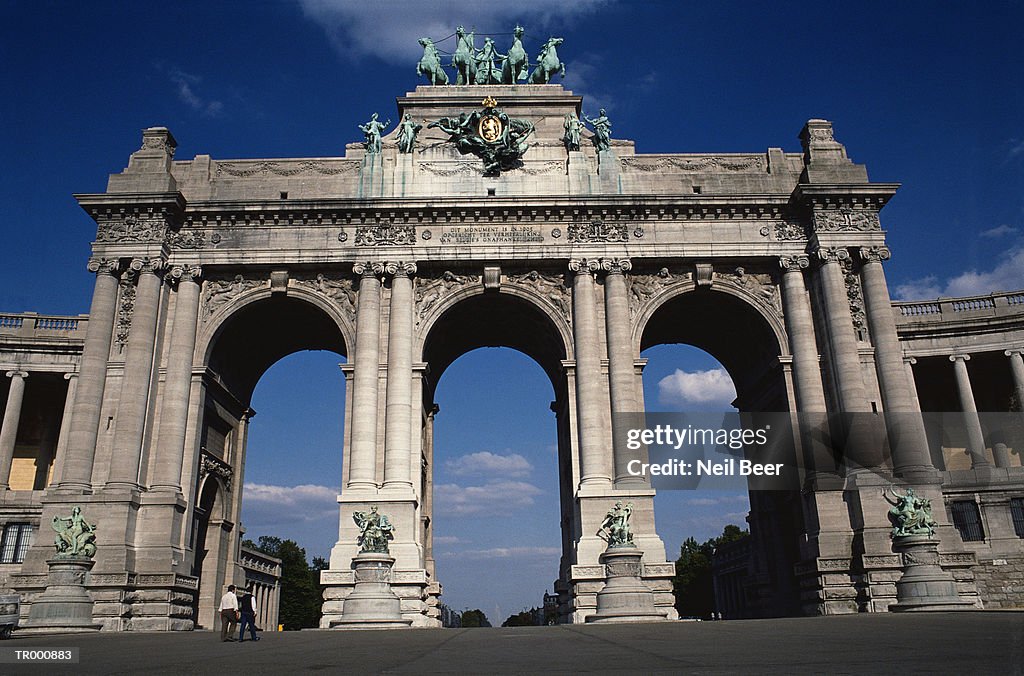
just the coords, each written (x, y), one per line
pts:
(220, 291)
(760, 286)
(702, 164)
(786, 230)
(845, 219)
(386, 234)
(429, 290)
(551, 287)
(209, 464)
(132, 228)
(643, 288)
(855, 296)
(342, 291)
(186, 239)
(598, 230)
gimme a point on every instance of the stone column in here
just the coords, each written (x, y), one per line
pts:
(810, 394)
(907, 436)
(60, 454)
(1017, 367)
(9, 431)
(595, 464)
(138, 370)
(845, 357)
(621, 369)
(76, 469)
(363, 456)
(178, 382)
(975, 435)
(398, 402)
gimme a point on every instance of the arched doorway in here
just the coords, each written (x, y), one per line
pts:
(524, 324)
(239, 343)
(744, 332)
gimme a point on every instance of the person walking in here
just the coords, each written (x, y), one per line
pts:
(228, 614)
(248, 616)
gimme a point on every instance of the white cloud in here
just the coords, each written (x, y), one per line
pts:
(389, 30)
(1016, 147)
(1007, 275)
(446, 540)
(485, 462)
(494, 497)
(186, 83)
(720, 500)
(683, 388)
(999, 231)
(268, 505)
(508, 553)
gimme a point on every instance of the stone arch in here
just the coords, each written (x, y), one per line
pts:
(529, 299)
(317, 314)
(211, 541)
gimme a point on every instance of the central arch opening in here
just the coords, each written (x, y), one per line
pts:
(499, 510)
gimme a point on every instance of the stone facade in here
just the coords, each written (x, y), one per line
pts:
(208, 271)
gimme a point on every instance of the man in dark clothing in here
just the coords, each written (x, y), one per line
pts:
(248, 611)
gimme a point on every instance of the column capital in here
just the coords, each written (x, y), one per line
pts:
(960, 357)
(185, 273)
(1014, 350)
(104, 266)
(70, 375)
(875, 254)
(832, 254)
(584, 265)
(616, 266)
(17, 374)
(400, 268)
(156, 266)
(794, 263)
(909, 359)
(248, 414)
(368, 269)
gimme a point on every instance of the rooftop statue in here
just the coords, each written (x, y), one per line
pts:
(602, 131)
(76, 537)
(464, 58)
(615, 527)
(910, 514)
(486, 71)
(490, 135)
(430, 64)
(407, 130)
(573, 129)
(374, 531)
(515, 67)
(371, 130)
(548, 63)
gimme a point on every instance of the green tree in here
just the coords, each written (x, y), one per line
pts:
(692, 584)
(524, 618)
(301, 596)
(474, 618)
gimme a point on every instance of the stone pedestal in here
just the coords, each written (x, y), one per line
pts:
(372, 604)
(65, 606)
(625, 598)
(924, 585)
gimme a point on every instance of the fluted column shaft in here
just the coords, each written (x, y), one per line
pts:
(76, 469)
(363, 451)
(810, 394)
(907, 436)
(845, 357)
(138, 371)
(9, 431)
(398, 401)
(595, 461)
(178, 380)
(975, 435)
(621, 368)
(1017, 368)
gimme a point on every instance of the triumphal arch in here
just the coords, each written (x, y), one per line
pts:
(496, 215)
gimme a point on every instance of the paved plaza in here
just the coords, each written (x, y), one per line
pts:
(960, 643)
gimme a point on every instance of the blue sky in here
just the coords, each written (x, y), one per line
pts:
(927, 94)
